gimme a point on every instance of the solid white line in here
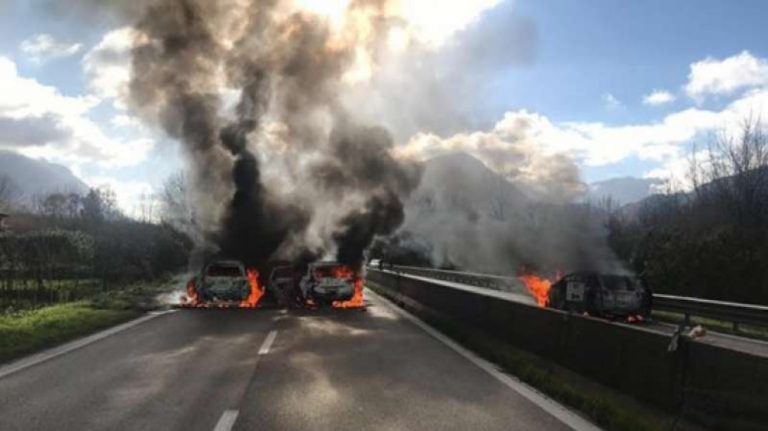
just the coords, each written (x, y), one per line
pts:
(227, 420)
(268, 342)
(552, 407)
(49, 354)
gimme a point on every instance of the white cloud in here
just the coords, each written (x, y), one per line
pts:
(50, 125)
(41, 47)
(658, 97)
(107, 66)
(417, 17)
(611, 102)
(724, 77)
(525, 134)
(134, 198)
(454, 16)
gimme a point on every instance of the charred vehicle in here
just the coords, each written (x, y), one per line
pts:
(328, 282)
(605, 295)
(225, 283)
(283, 283)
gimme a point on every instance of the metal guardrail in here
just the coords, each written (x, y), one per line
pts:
(733, 312)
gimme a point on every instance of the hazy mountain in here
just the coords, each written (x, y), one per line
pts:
(464, 215)
(460, 182)
(33, 177)
(623, 191)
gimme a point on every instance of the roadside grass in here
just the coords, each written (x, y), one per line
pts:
(28, 331)
(606, 407)
(25, 332)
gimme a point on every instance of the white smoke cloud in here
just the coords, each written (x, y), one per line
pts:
(107, 66)
(521, 147)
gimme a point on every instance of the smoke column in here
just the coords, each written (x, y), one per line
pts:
(338, 186)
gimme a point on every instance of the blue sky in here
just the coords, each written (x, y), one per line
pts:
(625, 48)
(576, 74)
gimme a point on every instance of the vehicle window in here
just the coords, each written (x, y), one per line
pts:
(615, 282)
(282, 273)
(326, 271)
(574, 290)
(223, 271)
(333, 271)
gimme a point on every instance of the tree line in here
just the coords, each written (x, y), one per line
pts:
(67, 245)
(712, 240)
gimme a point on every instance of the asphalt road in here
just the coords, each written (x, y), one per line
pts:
(267, 370)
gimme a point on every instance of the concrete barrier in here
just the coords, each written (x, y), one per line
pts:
(715, 386)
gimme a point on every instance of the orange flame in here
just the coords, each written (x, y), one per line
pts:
(191, 293)
(538, 287)
(256, 291)
(357, 298)
(347, 273)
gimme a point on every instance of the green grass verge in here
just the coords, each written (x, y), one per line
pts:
(604, 406)
(28, 331)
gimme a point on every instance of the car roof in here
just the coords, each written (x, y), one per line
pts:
(225, 263)
(601, 274)
(325, 263)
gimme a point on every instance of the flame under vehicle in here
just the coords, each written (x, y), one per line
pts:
(328, 282)
(604, 295)
(225, 283)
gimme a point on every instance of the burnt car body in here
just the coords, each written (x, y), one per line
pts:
(326, 282)
(604, 295)
(283, 283)
(222, 282)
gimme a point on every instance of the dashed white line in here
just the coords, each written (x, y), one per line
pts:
(265, 346)
(566, 416)
(227, 420)
(49, 354)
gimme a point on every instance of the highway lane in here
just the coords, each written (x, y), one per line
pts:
(329, 369)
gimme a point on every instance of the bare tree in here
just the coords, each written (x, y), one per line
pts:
(10, 193)
(100, 204)
(175, 206)
(734, 175)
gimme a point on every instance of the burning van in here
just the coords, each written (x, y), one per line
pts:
(329, 283)
(605, 295)
(225, 283)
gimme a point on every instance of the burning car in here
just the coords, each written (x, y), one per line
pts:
(283, 282)
(332, 283)
(225, 283)
(605, 295)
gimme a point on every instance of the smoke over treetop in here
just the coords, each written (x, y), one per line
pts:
(522, 147)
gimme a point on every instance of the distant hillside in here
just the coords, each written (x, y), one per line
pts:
(34, 177)
(623, 191)
(459, 182)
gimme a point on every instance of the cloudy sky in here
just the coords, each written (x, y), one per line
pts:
(623, 88)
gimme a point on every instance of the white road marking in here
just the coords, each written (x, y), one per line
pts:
(552, 407)
(227, 420)
(268, 342)
(49, 354)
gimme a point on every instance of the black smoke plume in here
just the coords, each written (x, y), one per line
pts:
(285, 67)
